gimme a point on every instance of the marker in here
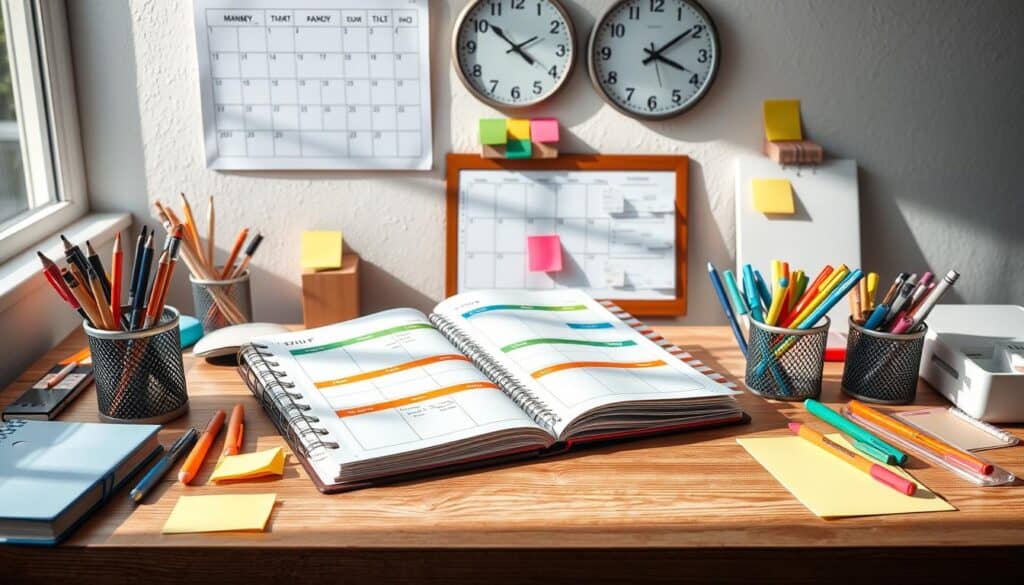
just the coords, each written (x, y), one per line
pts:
(880, 474)
(876, 317)
(198, 454)
(929, 302)
(236, 431)
(750, 289)
(739, 303)
(863, 440)
(152, 477)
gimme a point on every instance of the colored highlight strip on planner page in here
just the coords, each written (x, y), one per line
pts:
(361, 338)
(557, 340)
(391, 370)
(573, 365)
(490, 308)
(413, 399)
(590, 325)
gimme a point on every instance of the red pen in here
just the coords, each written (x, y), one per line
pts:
(52, 273)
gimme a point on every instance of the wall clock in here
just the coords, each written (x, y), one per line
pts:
(653, 59)
(514, 53)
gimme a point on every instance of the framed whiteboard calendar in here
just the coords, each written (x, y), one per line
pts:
(620, 222)
(315, 84)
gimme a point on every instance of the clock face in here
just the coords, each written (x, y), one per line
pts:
(514, 53)
(653, 58)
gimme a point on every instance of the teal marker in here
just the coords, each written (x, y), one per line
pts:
(738, 302)
(863, 440)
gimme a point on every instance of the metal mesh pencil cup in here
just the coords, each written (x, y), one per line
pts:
(882, 367)
(209, 312)
(786, 364)
(140, 377)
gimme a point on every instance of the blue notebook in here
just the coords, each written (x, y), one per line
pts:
(54, 474)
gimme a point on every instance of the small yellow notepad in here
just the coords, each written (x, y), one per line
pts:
(774, 196)
(249, 465)
(782, 120)
(221, 513)
(832, 488)
(321, 250)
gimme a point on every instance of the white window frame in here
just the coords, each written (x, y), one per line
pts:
(47, 112)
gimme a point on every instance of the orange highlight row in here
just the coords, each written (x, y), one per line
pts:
(414, 399)
(391, 370)
(573, 365)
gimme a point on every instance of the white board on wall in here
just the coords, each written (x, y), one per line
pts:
(825, 228)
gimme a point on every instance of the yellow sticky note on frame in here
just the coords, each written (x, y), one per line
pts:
(321, 250)
(249, 465)
(774, 196)
(782, 120)
(518, 129)
(220, 513)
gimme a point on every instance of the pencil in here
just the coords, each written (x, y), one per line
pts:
(239, 242)
(84, 300)
(249, 251)
(210, 234)
(97, 293)
(116, 267)
(190, 229)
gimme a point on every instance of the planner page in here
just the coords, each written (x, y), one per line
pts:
(390, 383)
(573, 353)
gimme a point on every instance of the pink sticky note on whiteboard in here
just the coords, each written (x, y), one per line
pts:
(544, 253)
(544, 130)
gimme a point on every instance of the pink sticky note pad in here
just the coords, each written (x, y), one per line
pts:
(544, 130)
(544, 253)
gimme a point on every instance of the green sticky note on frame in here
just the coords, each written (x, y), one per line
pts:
(493, 131)
(517, 149)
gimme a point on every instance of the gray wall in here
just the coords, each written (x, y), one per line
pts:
(926, 94)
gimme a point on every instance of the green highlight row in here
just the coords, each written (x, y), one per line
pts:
(552, 340)
(361, 338)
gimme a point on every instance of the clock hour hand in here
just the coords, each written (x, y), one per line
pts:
(501, 33)
(521, 45)
(655, 54)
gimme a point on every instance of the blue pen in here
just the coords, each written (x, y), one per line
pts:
(750, 288)
(762, 288)
(738, 302)
(717, 284)
(876, 317)
(152, 477)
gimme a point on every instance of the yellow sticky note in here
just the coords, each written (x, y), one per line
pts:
(782, 120)
(221, 513)
(774, 196)
(321, 250)
(518, 129)
(249, 465)
(830, 487)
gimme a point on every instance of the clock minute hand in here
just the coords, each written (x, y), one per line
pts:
(519, 46)
(655, 54)
(656, 57)
(498, 31)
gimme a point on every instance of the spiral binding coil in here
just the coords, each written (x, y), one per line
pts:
(274, 393)
(536, 408)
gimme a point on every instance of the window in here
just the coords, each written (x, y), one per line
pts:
(41, 178)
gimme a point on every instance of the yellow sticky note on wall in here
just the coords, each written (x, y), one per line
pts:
(249, 465)
(220, 513)
(321, 250)
(782, 120)
(774, 196)
(518, 129)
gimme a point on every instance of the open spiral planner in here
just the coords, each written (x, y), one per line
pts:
(488, 376)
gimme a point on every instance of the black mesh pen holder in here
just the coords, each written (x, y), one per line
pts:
(219, 303)
(786, 364)
(140, 377)
(883, 367)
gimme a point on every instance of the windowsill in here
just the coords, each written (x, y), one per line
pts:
(21, 275)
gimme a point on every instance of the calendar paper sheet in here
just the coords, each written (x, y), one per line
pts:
(315, 84)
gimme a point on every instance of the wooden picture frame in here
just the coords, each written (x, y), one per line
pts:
(678, 164)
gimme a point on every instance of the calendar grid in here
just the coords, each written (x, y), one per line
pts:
(295, 84)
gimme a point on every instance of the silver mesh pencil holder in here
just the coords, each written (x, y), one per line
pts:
(209, 312)
(882, 367)
(786, 364)
(140, 377)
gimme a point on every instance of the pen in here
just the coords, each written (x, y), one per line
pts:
(863, 440)
(717, 284)
(894, 289)
(236, 431)
(97, 265)
(906, 291)
(923, 441)
(198, 453)
(762, 289)
(141, 285)
(254, 243)
(933, 297)
(139, 245)
(750, 289)
(152, 477)
(876, 317)
(876, 471)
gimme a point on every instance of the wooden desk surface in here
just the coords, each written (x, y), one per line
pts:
(694, 498)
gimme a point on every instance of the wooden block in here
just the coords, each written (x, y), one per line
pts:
(794, 152)
(331, 296)
(541, 150)
(493, 151)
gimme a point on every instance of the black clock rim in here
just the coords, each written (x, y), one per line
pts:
(501, 105)
(712, 75)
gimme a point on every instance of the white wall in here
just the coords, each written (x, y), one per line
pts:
(926, 94)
